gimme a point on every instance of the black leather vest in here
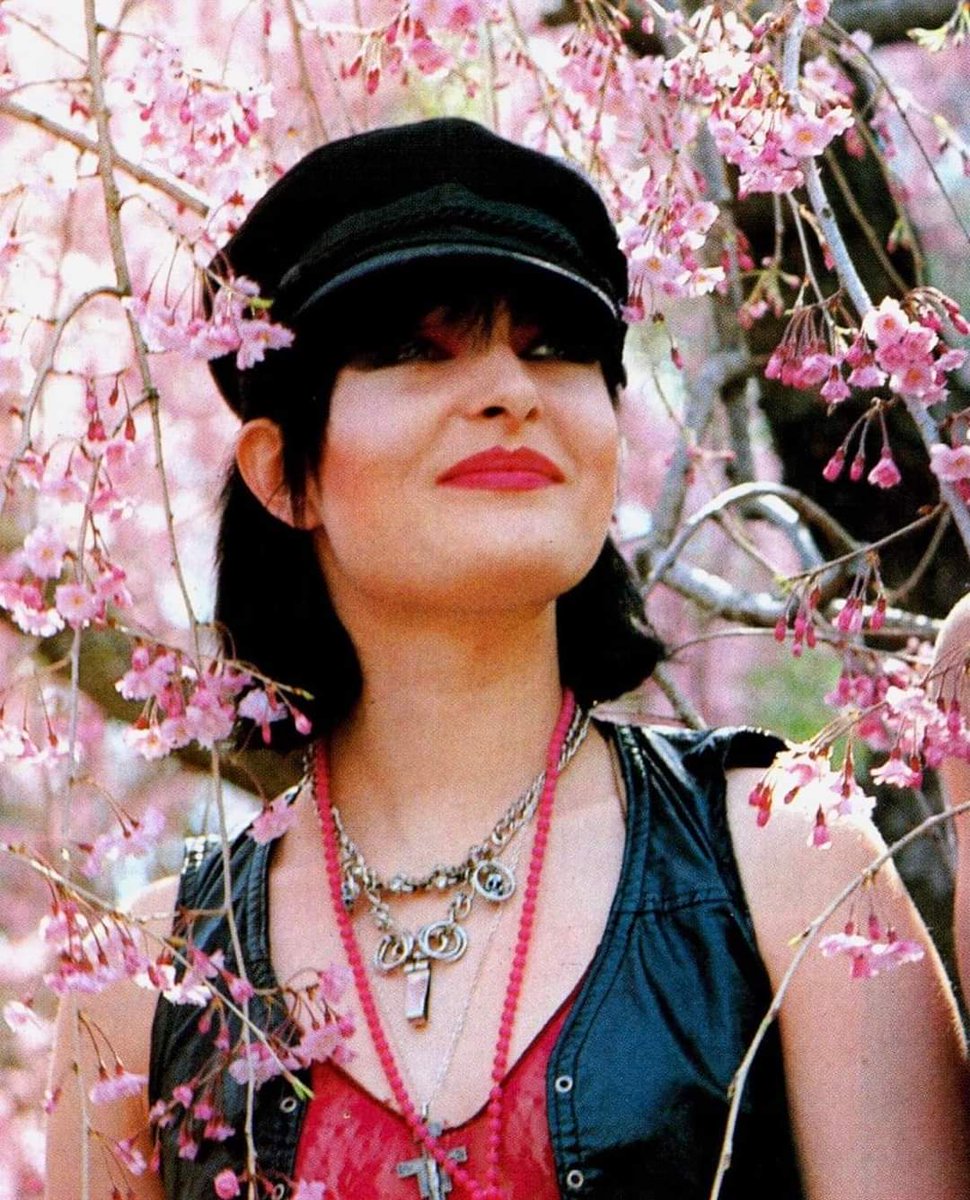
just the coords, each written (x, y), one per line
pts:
(637, 1082)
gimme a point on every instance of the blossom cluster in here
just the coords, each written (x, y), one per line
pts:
(898, 349)
(432, 36)
(192, 126)
(873, 952)
(238, 324)
(184, 703)
(41, 608)
(296, 1028)
(91, 480)
(806, 779)
(901, 710)
(863, 608)
(757, 126)
(302, 1026)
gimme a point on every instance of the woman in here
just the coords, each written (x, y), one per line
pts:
(416, 532)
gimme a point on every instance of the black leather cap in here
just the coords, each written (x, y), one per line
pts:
(432, 190)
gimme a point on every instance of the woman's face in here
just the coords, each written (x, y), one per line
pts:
(468, 466)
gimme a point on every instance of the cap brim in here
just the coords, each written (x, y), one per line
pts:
(434, 252)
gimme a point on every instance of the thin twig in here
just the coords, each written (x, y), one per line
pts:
(762, 610)
(877, 545)
(702, 394)
(855, 208)
(112, 205)
(904, 117)
(238, 952)
(741, 494)
(928, 558)
(43, 370)
(317, 123)
(683, 709)
(110, 913)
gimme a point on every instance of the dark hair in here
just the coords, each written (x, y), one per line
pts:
(272, 604)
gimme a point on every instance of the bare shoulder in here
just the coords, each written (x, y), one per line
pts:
(787, 880)
(864, 1058)
(954, 637)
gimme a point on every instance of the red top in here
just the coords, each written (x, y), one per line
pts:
(352, 1142)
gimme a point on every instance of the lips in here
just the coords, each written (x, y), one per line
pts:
(498, 469)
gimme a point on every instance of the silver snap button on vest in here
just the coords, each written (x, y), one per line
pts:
(279, 1192)
(563, 1084)
(288, 1104)
(575, 1180)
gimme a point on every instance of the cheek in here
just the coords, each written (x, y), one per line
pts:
(596, 446)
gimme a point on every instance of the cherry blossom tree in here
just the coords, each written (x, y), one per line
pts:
(137, 135)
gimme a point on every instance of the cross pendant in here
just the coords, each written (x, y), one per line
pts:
(433, 1183)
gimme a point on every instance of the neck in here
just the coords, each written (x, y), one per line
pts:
(454, 720)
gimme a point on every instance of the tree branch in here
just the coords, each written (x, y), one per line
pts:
(850, 280)
(182, 193)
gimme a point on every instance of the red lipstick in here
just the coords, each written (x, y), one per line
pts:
(498, 469)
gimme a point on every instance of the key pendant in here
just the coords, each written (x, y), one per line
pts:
(417, 990)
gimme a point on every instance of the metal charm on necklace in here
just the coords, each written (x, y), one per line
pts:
(480, 874)
(493, 880)
(438, 941)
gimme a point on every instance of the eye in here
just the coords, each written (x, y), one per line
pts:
(394, 353)
(553, 347)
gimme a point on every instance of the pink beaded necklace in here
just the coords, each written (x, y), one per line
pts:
(417, 1123)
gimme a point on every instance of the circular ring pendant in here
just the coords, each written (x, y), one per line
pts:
(442, 940)
(493, 880)
(393, 950)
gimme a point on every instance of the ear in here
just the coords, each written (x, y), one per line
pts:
(259, 456)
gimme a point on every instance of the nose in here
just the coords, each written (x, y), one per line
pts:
(501, 384)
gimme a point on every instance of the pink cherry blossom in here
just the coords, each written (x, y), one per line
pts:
(950, 464)
(255, 1061)
(44, 551)
(885, 324)
(805, 135)
(116, 1086)
(226, 1185)
(815, 11)
(334, 982)
(275, 819)
(316, 1045)
(150, 674)
(77, 604)
(130, 1157)
(309, 1191)
(898, 772)
(873, 954)
(885, 473)
(25, 603)
(263, 708)
(134, 838)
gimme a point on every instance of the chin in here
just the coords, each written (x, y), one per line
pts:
(531, 577)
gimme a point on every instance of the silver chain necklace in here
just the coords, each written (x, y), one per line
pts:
(480, 873)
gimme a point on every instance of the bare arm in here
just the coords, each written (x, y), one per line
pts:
(82, 1163)
(876, 1068)
(952, 648)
